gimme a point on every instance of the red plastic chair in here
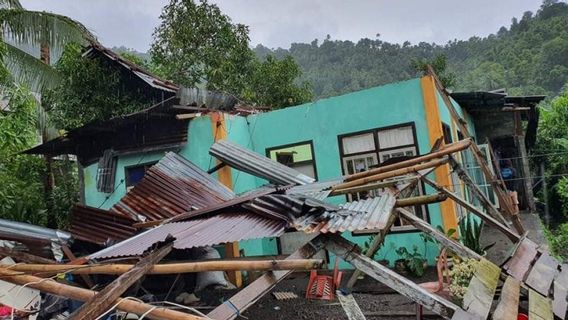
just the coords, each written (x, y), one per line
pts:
(322, 287)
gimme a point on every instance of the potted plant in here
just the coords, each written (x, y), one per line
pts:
(470, 231)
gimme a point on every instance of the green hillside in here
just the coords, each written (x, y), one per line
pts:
(528, 57)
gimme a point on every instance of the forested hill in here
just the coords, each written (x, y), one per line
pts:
(528, 57)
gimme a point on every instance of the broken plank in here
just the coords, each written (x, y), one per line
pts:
(238, 303)
(508, 306)
(539, 307)
(522, 259)
(24, 256)
(542, 274)
(105, 298)
(347, 251)
(350, 306)
(425, 227)
(481, 290)
(462, 315)
(559, 304)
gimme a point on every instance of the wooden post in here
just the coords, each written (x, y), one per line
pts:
(345, 249)
(526, 181)
(545, 195)
(238, 303)
(75, 293)
(224, 175)
(103, 301)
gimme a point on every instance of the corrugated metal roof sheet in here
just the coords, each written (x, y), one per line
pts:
(318, 190)
(12, 230)
(222, 228)
(311, 215)
(99, 226)
(250, 162)
(172, 186)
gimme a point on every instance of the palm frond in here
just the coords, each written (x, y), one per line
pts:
(12, 4)
(42, 28)
(29, 70)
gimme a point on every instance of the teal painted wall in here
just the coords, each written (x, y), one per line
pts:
(321, 122)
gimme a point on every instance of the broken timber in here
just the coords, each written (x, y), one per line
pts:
(347, 250)
(350, 306)
(24, 256)
(238, 303)
(75, 293)
(103, 300)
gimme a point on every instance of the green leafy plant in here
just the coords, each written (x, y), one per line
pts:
(470, 231)
(461, 274)
(414, 261)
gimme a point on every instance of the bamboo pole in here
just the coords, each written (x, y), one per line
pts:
(444, 151)
(391, 174)
(420, 200)
(63, 290)
(174, 268)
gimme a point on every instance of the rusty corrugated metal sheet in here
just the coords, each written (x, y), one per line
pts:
(99, 226)
(222, 228)
(172, 186)
(250, 162)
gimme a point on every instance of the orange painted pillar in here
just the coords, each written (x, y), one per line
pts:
(442, 173)
(224, 176)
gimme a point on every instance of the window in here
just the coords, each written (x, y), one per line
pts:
(135, 174)
(299, 156)
(447, 133)
(364, 150)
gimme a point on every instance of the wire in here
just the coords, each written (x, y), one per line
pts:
(121, 182)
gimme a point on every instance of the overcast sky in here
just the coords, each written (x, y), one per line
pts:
(278, 23)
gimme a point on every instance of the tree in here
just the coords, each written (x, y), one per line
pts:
(439, 64)
(272, 83)
(197, 45)
(35, 29)
(89, 90)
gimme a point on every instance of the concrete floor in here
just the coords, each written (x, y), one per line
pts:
(503, 247)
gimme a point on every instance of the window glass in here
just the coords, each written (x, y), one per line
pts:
(136, 174)
(298, 156)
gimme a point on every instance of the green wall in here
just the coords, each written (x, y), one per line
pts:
(320, 122)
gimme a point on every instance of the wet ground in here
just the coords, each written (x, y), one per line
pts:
(375, 300)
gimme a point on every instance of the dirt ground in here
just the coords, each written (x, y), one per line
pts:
(375, 300)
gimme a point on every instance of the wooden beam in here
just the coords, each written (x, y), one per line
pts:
(350, 306)
(80, 294)
(445, 150)
(24, 256)
(103, 301)
(391, 174)
(347, 250)
(174, 268)
(74, 260)
(238, 303)
(445, 241)
(508, 306)
(514, 237)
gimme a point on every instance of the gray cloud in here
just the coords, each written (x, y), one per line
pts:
(280, 23)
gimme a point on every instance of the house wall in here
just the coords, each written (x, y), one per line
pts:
(320, 122)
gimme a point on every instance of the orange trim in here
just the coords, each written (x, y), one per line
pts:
(442, 173)
(224, 175)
